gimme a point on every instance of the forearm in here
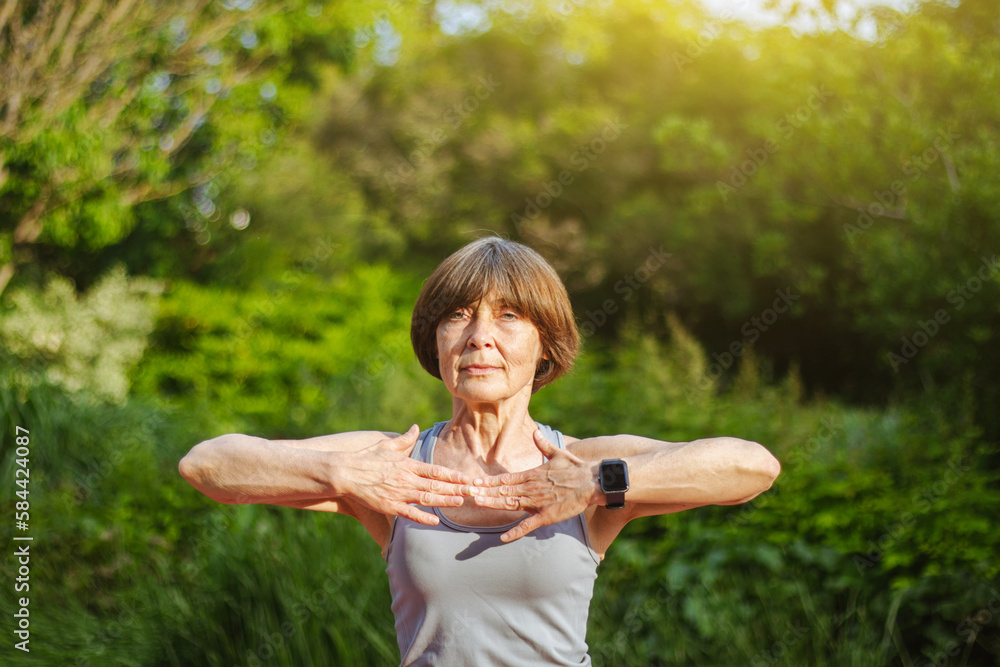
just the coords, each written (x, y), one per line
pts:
(701, 472)
(710, 471)
(237, 469)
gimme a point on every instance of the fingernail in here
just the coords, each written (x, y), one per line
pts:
(477, 481)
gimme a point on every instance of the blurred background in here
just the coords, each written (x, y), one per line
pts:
(777, 220)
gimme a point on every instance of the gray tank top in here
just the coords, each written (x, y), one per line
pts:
(463, 598)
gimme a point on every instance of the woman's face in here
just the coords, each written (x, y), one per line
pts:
(487, 352)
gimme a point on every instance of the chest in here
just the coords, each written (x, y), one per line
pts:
(454, 567)
(471, 514)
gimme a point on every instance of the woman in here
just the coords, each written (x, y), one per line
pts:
(492, 525)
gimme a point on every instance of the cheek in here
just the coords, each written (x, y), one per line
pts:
(445, 349)
(532, 351)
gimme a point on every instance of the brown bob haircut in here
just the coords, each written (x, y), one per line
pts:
(516, 275)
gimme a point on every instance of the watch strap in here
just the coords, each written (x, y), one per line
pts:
(616, 500)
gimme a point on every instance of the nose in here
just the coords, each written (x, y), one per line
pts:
(480, 333)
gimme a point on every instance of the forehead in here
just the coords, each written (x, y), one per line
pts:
(492, 290)
(491, 301)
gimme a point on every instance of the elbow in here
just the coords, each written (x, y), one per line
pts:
(196, 468)
(759, 468)
(765, 465)
(192, 464)
(757, 462)
(189, 468)
(765, 461)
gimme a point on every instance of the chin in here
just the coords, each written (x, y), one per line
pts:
(479, 391)
(479, 394)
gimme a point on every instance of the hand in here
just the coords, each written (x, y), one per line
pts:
(384, 478)
(560, 488)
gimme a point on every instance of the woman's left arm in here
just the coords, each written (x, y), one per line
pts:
(667, 477)
(664, 477)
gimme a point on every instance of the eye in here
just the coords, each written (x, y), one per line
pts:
(457, 314)
(508, 316)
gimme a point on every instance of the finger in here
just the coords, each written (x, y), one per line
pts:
(406, 440)
(520, 530)
(512, 503)
(506, 479)
(437, 487)
(515, 490)
(428, 499)
(440, 473)
(544, 444)
(417, 515)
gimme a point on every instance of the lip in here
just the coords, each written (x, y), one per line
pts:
(479, 369)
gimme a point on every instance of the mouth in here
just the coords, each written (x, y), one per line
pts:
(479, 369)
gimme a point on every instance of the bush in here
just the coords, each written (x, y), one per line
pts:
(875, 546)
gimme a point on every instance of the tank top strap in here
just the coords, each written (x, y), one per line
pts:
(423, 446)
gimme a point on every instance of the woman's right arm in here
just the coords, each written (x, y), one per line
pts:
(344, 472)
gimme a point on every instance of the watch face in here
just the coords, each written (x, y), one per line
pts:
(614, 476)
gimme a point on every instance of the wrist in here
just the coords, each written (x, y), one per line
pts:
(333, 476)
(597, 495)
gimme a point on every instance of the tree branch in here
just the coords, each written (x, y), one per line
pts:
(30, 225)
(6, 13)
(6, 273)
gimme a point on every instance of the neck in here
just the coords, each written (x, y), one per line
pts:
(492, 431)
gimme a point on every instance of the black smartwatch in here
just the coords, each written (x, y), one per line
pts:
(614, 482)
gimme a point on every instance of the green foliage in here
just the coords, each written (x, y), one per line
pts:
(301, 355)
(874, 543)
(111, 104)
(857, 173)
(153, 573)
(825, 568)
(87, 343)
(663, 159)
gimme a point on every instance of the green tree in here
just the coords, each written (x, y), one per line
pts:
(110, 103)
(761, 160)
